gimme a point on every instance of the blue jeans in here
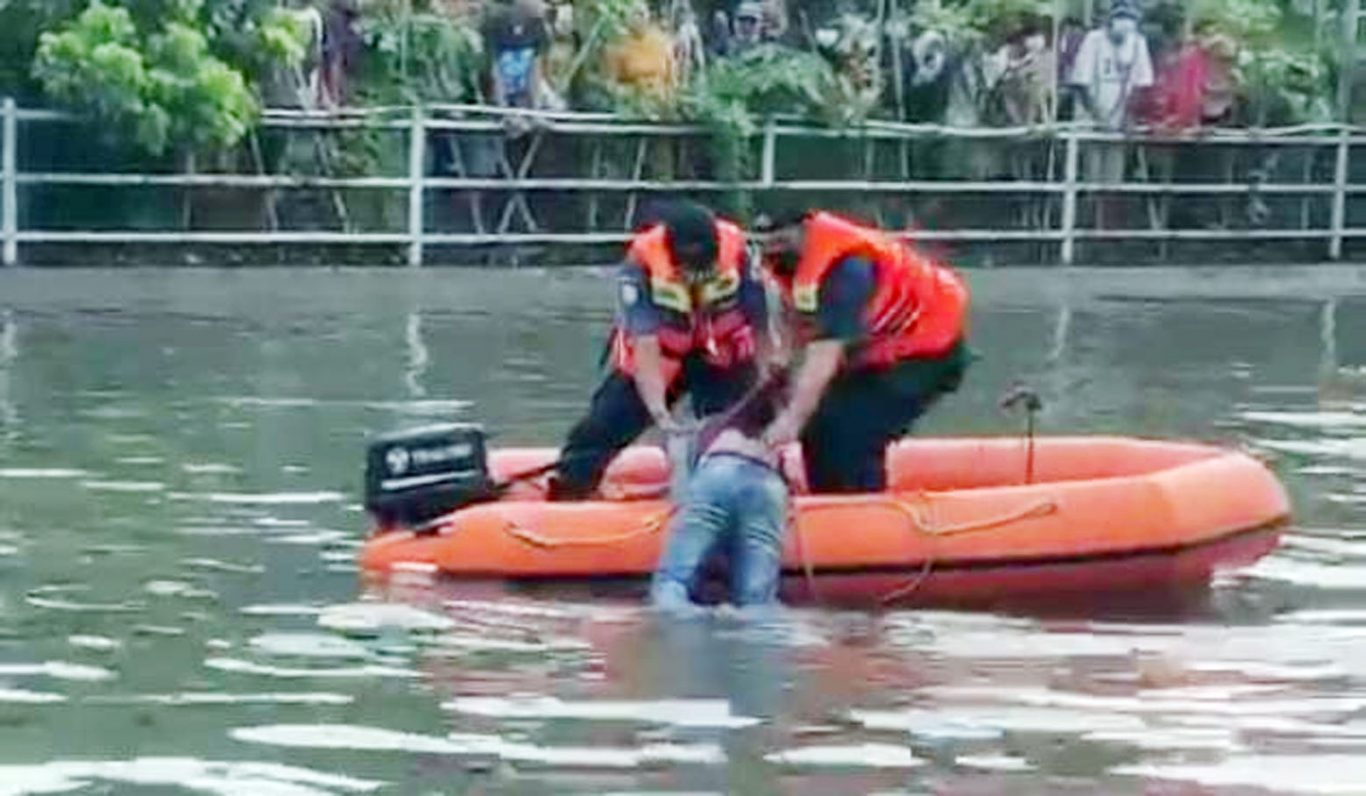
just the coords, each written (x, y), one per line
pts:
(732, 504)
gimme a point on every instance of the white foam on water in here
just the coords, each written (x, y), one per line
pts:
(167, 588)
(348, 736)
(994, 762)
(238, 666)
(1326, 420)
(1352, 548)
(34, 473)
(678, 712)
(274, 403)
(950, 722)
(1354, 448)
(1308, 573)
(131, 487)
(1215, 701)
(1309, 671)
(472, 643)
(308, 645)
(1324, 616)
(1037, 644)
(310, 538)
(1325, 469)
(57, 670)
(277, 522)
(362, 618)
(217, 530)
(166, 631)
(1213, 739)
(210, 698)
(361, 738)
(141, 460)
(1346, 500)
(214, 565)
(8, 550)
(421, 408)
(94, 643)
(20, 696)
(203, 776)
(264, 498)
(281, 609)
(866, 755)
(1311, 774)
(210, 468)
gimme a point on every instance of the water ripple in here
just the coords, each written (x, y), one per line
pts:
(221, 778)
(679, 712)
(336, 736)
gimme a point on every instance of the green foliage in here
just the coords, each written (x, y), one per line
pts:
(424, 56)
(163, 90)
(970, 22)
(733, 96)
(1282, 77)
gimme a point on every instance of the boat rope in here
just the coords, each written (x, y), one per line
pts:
(923, 522)
(808, 570)
(651, 526)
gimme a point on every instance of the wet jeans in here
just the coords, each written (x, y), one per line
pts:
(734, 505)
(618, 416)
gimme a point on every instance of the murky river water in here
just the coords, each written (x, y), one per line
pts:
(180, 612)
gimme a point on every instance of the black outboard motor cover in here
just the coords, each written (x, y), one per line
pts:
(414, 476)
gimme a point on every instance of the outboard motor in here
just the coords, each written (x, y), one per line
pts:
(418, 475)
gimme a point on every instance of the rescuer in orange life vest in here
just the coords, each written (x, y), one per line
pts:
(691, 317)
(882, 331)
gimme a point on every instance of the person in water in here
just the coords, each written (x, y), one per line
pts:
(882, 335)
(736, 502)
(691, 315)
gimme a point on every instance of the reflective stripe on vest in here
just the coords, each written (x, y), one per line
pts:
(714, 325)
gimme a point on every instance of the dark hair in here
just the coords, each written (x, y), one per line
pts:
(782, 217)
(755, 414)
(690, 234)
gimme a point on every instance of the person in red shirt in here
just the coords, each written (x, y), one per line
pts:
(882, 330)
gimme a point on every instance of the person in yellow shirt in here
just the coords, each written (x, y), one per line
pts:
(643, 59)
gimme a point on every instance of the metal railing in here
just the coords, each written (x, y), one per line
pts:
(1062, 183)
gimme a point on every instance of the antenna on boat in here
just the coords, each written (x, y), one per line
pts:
(1022, 395)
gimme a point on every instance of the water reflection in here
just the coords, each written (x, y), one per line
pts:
(9, 358)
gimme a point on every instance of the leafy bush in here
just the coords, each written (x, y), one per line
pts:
(163, 90)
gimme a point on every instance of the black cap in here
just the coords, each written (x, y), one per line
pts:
(690, 234)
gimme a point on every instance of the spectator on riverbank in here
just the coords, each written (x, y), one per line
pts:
(1111, 69)
(341, 51)
(1071, 33)
(1025, 85)
(643, 60)
(516, 38)
(1195, 89)
(749, 28)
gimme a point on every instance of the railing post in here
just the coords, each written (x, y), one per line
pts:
(417, 170)
(766, 176)
(1339, 219)
(1071, 156)
(9, 164)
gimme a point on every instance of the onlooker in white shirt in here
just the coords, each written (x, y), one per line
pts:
(1110, 68)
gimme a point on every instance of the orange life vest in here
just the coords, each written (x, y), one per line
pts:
(705, 319)
(918, 308)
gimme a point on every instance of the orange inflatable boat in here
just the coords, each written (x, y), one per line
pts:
(965, 520)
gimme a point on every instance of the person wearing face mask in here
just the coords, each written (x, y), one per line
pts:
(691, 318)
(1111, 67)
(882, 331)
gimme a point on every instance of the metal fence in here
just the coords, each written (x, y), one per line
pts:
(581, 179)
